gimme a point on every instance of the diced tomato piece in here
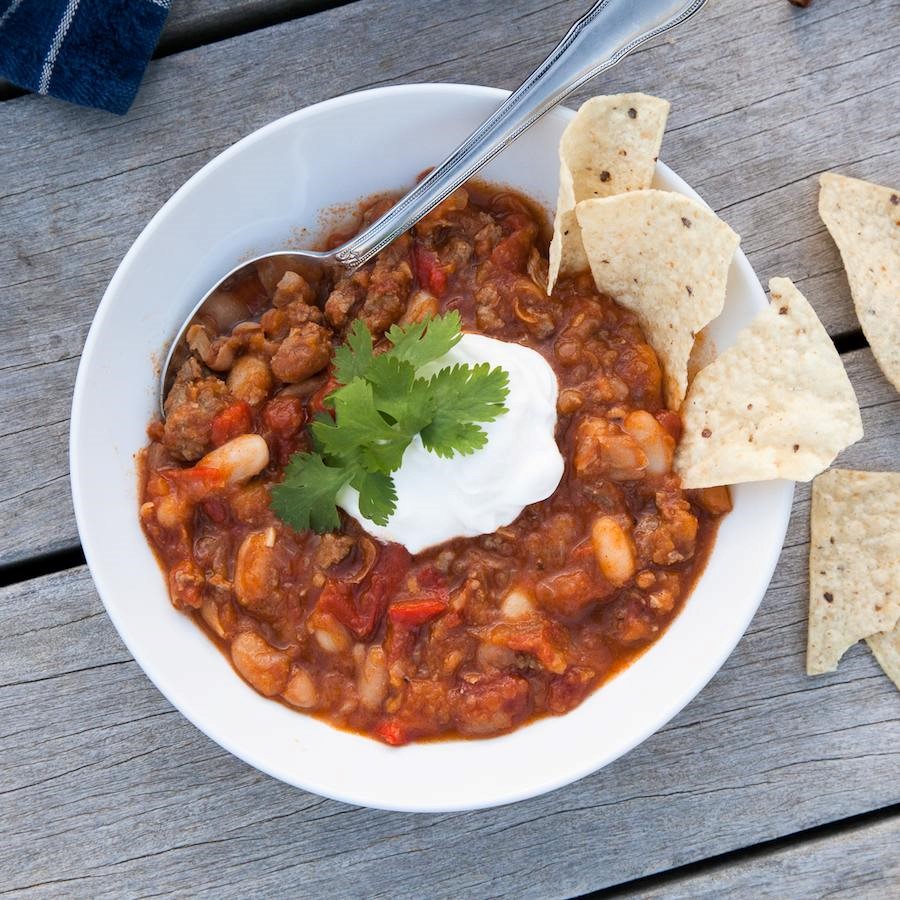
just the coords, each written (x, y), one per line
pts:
(361, 608)
(671, 421)
(430, 273)
(337, 600)
(429, 577)
(512, 252)
(196, 482)
(217, 510)
(392, 732)
(234, 420)
(417, 611)
(317, 401)
(285, 416)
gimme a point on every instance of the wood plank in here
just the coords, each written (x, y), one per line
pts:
(195, 22)
(858, 863)
(76, 187)
(89, 748)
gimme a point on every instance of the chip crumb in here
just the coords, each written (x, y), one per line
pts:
(686, 221)
(829, 597)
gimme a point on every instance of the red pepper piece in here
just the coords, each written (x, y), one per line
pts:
(418, 610)
(430, 273)
(392, 732)
(234, 420)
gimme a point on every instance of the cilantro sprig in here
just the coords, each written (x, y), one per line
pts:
(384, 401)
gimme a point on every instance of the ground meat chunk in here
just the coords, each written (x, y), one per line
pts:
(332, 549)
(192, 404)
(291, 288)
(347, 293)
(669, 535)
(305, 351)
(389, 287)
(490, 704)
(277, 323)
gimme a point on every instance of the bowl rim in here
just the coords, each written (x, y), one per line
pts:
(81, 503)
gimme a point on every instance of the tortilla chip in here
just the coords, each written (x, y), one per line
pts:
(864, 220)
(885, 646)
(609, 147)
(777, 404)
(665, 257)
(854, 563)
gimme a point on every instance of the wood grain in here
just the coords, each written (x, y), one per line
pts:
(195, 22)
(859, 863)
(764, 97)
(107, 790)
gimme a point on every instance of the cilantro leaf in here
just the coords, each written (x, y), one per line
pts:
(399, 394)
(464, 395)
(307, 497)
(353, 358)
(423, 342)
(359, 434)
(377, 496)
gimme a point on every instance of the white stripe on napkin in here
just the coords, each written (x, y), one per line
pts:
(53, 52)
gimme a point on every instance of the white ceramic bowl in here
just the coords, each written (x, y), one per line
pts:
(253, 197)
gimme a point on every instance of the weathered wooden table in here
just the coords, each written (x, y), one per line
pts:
(768, 784)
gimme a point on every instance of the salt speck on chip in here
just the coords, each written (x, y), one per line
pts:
(609, 147)
(777, 404)
(854, 566)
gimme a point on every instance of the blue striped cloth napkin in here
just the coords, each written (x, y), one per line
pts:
(91, 52)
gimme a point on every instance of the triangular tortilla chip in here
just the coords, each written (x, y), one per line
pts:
(854, 563)
(864, 220)
(609, 147)
(886, 648)
(665, 257)
(777, 404)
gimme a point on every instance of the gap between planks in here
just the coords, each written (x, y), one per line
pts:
(695, 879)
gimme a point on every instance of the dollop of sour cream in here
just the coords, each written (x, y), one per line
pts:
(465, 496)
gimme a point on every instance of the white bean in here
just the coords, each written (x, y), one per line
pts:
(516, 605)
(658, 445)
(613, 550)
(372, 681)
(301, 690)
(240, 459)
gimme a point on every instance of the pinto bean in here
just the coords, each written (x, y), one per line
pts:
(255, 574)
(250, 380)
(301, 689)
(265, 667)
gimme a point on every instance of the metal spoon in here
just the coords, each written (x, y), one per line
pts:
(607, 33)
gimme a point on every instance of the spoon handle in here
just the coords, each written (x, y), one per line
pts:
(607, 33)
